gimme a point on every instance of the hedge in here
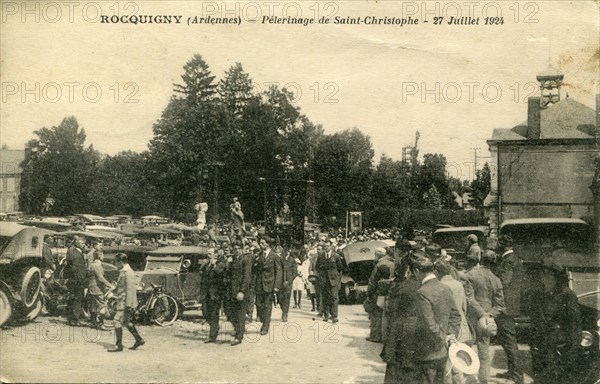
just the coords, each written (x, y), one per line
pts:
(422, 218)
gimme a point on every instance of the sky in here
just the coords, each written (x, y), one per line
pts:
(452, 83)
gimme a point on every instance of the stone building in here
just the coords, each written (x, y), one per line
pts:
(10, 178)
(545, 166)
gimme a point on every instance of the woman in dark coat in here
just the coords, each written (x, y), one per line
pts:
(399, 343)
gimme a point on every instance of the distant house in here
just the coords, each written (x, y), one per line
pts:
(544, 167)
(10, 178)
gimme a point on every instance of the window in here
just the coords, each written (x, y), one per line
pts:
(10, 184)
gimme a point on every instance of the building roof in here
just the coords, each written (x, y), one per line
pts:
(567, 119)
(10, 160)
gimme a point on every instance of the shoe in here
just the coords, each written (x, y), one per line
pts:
(264, 332)
(236, 342)
(373, 340)
(102, 327)
(334, 320)
(512, 376)
(295, 306)
(313, 310)
(116, 348)
(299, 306)
(75, 323)
(210, 341)
(138, 343)
(325, 318)
(284, 319)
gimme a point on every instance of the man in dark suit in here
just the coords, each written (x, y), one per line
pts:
(215, 275)
(289, 269)
(77, 280)
(240, 272)
(268, 280)
(329, 267)
(438, 323)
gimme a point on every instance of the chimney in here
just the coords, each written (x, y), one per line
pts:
(533, 118)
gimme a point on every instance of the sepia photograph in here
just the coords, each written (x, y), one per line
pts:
(352, 191)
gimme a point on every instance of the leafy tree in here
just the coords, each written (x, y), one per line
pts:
(121, 186)
(59, 166)
(480, 187)
(185, 150)
(432, 199)
(343, 172)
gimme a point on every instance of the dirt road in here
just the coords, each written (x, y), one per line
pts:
(303, 350)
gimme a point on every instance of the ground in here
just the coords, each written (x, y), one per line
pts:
(303, 350)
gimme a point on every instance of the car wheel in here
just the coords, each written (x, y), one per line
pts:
(5, 308)
(30, 286)
(164, 310)
(34, 311)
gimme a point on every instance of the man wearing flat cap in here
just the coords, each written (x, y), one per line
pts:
(473, 249)
(382, 273)
(438, 323)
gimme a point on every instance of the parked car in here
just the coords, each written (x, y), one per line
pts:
(589, 307)
(20, 274)
(359, 259)
(567, 241)
(454, 239)
(178, 270)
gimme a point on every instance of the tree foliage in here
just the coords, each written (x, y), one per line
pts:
(57, 165)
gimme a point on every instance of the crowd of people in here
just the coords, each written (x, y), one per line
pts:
(420, 303)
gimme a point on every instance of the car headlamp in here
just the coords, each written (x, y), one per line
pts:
(48, 274)
(141, 286)
(587, 339)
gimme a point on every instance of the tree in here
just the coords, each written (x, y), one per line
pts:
(58, 166)
(343, 171)
(121, 186)
(480, 187)
(432, 199)
(187, 143)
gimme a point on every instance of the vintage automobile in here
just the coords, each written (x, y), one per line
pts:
(567, 241)
(589, 307)
(178, 270)
(20, 274)
(454, 239)
(359, 260)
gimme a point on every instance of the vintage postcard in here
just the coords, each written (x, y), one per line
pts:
(307, 191)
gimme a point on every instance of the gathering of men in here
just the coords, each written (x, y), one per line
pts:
(420, 301)
(434, 302)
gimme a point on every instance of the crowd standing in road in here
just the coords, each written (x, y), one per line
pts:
(419, 301)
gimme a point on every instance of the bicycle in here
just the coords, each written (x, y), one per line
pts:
(154, 306)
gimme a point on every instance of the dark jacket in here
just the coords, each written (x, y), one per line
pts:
(267, 272)
(215, 276)
(437, 318)
(289, 270)
(330, 269)
(76, 268)
(509, 271)
(240, 272)
(400, 345)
